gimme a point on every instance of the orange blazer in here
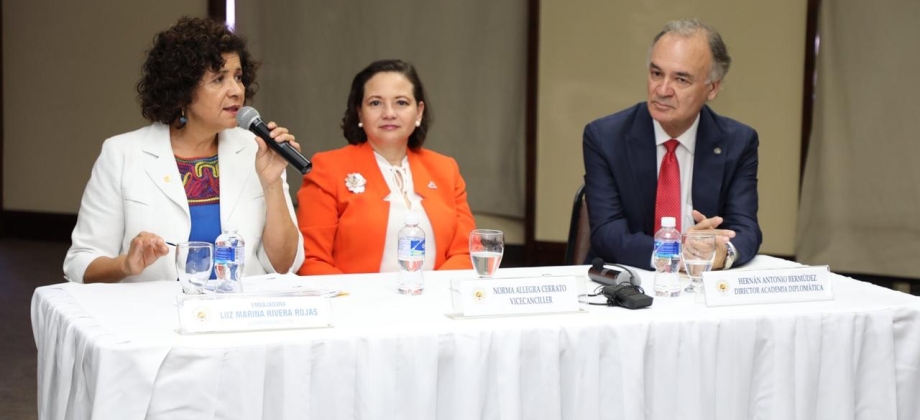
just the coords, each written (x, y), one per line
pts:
(344, 231)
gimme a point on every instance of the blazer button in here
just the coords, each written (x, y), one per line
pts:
(717, 150)
(166, 178)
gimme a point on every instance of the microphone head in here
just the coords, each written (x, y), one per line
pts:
(246, 116)
(597, 264)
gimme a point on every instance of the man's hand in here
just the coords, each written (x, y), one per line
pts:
(710, 225)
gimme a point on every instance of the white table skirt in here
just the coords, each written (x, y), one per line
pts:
(112, 352)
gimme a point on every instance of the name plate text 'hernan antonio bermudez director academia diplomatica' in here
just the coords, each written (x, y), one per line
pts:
(745, 287)
(252, 312)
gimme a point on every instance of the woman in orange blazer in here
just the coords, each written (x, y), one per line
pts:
(353, 202)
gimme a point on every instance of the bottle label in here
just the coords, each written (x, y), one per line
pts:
(411, 248)
(669, 248)
(227, 254)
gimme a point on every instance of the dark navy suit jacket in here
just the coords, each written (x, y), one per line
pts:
(621, 181)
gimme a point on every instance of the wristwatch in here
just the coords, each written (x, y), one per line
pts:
(730, 254)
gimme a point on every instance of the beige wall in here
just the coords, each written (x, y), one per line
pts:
(593, 62)
(69, 71)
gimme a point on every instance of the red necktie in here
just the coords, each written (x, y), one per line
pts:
(667, 200)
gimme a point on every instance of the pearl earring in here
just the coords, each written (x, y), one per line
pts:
(418, 123)
(360, 125)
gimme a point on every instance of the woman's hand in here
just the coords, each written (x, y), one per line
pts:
(270, 165)
(145, 249)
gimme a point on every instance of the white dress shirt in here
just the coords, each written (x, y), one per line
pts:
(399, 179)
(684, 154)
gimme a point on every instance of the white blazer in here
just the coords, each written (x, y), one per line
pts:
(135, 186)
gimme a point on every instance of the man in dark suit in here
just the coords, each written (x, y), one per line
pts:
(673, 132)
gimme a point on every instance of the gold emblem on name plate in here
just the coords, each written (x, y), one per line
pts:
(723, 287)
(479, 294)
(201, 314)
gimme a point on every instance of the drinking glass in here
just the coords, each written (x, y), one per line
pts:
(698, 250)
(486, 249)
(194, 261)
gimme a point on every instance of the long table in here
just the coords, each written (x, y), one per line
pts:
(113, 352)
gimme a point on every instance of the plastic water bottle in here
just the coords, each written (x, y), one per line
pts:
(411, 255)
(229, 260)
(666, 257)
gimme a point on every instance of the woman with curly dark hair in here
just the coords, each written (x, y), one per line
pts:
(360, 194)
(189, 174)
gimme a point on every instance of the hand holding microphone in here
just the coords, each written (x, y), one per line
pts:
(248, 118)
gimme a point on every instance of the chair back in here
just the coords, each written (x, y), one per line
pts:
(576, 250)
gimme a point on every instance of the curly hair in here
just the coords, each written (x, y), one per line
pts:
(355, 134)
(179, 59)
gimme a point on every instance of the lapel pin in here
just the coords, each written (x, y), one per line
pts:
(355, 183)
(166, 178)
(717, 150)
(431, 185)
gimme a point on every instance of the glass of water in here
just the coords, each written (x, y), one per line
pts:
(698, 250)
(486, 249)
(194, 261)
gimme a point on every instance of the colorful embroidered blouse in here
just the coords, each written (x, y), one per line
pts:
(201, 179)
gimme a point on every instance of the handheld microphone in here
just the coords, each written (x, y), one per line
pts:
(247, 117)
(621, 288)
(610, 277)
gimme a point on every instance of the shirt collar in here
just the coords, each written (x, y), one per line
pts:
(688, 138)
(384, 163)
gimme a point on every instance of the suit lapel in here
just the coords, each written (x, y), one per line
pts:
(421, 178)
(708, 166)
(366, 162)
(234, 172)
(642, 160)
(162, 168)
(378, 209)
(435, 207)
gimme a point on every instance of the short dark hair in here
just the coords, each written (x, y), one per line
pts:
(721, 61)
(178, 60)
(355, 134)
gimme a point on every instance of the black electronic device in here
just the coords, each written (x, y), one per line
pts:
(621, 285)
(247, 117)
(612, 274)
(627, 295)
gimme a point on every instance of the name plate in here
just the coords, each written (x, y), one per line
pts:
(516, 296)
(805, 284)
(252, 312)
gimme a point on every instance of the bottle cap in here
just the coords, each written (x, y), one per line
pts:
(411, 218)
(668, 222)
(229, 226)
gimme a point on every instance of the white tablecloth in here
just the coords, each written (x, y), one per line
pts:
(112, 352)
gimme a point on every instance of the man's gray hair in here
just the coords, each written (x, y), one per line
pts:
(721, 61)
